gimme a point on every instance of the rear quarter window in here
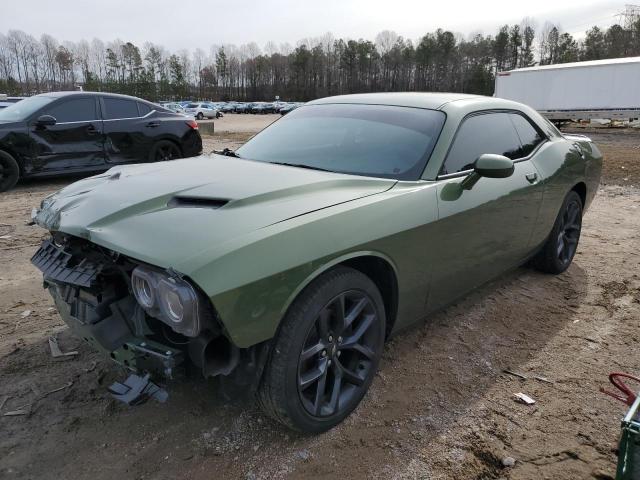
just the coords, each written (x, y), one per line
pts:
(120, 108)
(143, 109)
(530, 137)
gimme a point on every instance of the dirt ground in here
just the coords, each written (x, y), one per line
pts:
(441, 406)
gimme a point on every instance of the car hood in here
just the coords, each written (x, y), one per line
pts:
(163, 213)
(9, 125)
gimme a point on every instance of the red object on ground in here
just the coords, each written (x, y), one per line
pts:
(629, 396)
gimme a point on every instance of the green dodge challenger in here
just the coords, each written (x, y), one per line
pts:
(285, 265)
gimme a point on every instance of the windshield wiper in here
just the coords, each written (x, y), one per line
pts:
(302, 165)
(227, 152)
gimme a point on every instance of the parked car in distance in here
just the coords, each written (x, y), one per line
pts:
(201, 110)
(228, 107)
(301, 252)
(174, 107)
(8, 99)
(262, 107)
(242, 108)
(78, 132)
(289, 108)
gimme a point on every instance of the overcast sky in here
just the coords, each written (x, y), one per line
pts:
(189, 24)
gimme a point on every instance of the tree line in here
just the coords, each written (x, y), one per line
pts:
(315, 67)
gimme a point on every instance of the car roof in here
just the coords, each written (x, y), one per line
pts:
(90, 94)
(428, 100)
(403, 99)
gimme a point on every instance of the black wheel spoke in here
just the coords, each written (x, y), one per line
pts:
(363, 350)
(572, 214)
(355, 311)
(350, 377)
(338, 310)
(334, 401)
(313, 375)
(320, 392)
(570, 241)
(311, 351)
(364, 325)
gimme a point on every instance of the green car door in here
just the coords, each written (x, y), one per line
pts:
(487, 229)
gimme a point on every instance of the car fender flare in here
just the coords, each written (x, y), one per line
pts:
(329, 265)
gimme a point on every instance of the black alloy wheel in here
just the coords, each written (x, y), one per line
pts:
(558, 251)
(165, 151)
(569, 234)
(326, 352)
(337, 355)
(9, 172)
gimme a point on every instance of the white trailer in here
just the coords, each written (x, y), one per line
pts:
(607, 89)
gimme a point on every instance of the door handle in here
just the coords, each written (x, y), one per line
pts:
(152, 124)
(92, 130)
(532, 177)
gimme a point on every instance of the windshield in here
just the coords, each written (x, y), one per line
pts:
(371, 140)
(22, 110)
(192, 105)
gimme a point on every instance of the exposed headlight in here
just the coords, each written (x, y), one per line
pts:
(171, 300)
(143, 288)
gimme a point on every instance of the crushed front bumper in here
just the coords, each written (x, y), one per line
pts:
(103, 312)
(111, 333)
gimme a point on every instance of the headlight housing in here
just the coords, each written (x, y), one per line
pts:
(170, 299)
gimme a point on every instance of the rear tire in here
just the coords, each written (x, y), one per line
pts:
(9, 172)
(326, 353)
(561, 245)
(164, 150)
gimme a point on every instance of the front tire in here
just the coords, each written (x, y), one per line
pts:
(9, 172)
(326, 353)
(199, 116)
(559, 249)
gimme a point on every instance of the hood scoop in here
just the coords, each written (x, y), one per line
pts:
(196, 202)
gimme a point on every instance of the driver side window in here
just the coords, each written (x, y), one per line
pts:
(74, 110)
(479, 134)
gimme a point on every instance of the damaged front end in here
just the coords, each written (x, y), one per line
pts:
(151, 321)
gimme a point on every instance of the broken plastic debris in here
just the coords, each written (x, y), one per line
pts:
(25, 314)
(55, 349)
(136, 390)
(515, 374)
(542, 379)
(524, 398)
(15, 413)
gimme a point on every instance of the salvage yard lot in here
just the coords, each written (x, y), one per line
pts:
(440, 407)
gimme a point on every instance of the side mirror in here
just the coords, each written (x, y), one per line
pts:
(46, 121)
(493, 166)
(488, 165)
